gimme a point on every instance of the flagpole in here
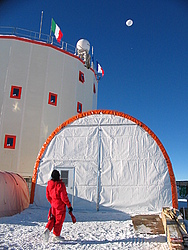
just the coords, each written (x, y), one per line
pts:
(41, 24)
(92, 59)
(50, 29)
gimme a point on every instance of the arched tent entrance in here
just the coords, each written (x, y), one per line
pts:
(14, 196)
(109, 160)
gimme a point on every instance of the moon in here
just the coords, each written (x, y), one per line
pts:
(129, 22)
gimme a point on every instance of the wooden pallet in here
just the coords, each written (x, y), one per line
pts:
(174, 227)
(149, 224)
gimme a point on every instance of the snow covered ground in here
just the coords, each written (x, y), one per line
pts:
(98, 230)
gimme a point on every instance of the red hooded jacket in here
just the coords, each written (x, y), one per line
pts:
(56, 194)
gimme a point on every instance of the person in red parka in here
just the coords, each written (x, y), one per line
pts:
(56, 194)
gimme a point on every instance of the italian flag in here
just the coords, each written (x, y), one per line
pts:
(56, 30)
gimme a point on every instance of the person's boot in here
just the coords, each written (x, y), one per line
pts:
(58, 238)
(46, 234)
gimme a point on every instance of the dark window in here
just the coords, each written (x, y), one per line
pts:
(10, 141)
(15, 92)
(79, 107)
(64, 176)
(94, 89)
(52, 99)
(81, 77)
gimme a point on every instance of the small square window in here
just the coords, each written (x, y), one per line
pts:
(15, 92)
(10, 141)
(65, 176)
(81, 77)
(79, 107)
(52, 99)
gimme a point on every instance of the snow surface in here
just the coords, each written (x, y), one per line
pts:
(98, 230)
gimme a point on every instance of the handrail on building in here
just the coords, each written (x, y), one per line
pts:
(37, 36)
(4, 30)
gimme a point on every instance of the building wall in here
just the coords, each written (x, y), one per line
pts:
(40, 87)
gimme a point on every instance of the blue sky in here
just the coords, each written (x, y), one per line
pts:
(146, 65)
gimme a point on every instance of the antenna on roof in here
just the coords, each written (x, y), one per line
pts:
(41, 24)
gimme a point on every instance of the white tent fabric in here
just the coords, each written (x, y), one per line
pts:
(14, 196)
(116, 165)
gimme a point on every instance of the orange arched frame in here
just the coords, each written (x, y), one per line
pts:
(116, 113)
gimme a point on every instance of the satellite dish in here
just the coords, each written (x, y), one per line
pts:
(129, 22)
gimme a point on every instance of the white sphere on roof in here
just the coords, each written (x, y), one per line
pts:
(83, 45)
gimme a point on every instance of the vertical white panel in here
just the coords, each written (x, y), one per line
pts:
(38, 69)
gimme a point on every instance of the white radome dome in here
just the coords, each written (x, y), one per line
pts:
(83, 45)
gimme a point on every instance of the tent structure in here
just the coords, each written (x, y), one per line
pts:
(108, 161)
(14, 196)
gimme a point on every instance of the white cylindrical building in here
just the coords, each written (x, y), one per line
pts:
(41, 86)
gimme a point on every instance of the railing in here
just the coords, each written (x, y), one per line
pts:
(37, 37)
(4, 30)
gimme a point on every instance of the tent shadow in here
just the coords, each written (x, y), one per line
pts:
(107, 215)
(84, 210)
(31, 216)
(34, 215)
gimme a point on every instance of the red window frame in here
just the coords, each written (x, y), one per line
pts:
(7, 137)
(79, 107)
(12, 95)
(81, 77)
(50, 99)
